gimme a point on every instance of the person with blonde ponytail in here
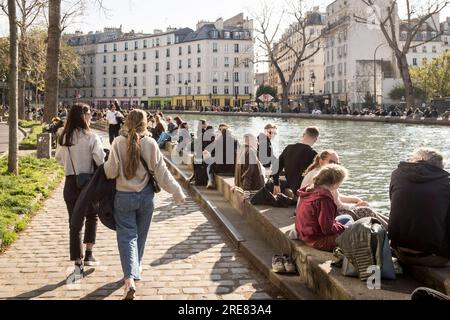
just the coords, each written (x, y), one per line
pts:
(133, 205)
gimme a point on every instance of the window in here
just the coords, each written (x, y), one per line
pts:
(180, 51)
(114, 92)
(247, 63)
(226, 90)
(104, 93)
(215, 76)
(414, 50)
(104, 59)
(126, 46)
(156, 80)
(125, 82)
(114, 58)
(135, 69)
(114, 82)
(104, 82)
(180, 91)
(144, 81)
(144, 55)
(125, 57)
(226, 76)
(189, 49)
(236, 62)
(214, 34)
(236, 90)
(168, 78)
(144, 68)
(189, 77)
(144, 92)
(214, 90)
(199, 62)
(157, 54)
(247, 77)
(105, 48)
(215, 62)
(236, 76)
(199, 90)
(199, 48)
(424, 49)
(215, 47)
(227, 35)
(236, 48)
(227, 48)
(156, 66)
(199, 77)
(125, 69)
(157, 42)
(135, 56)
(414, 61)
(168, 53)
(157, 92)
(145, 46)
(169, 40)
(135, 82)
(180, 78)
(168, 65)
(246, 90)
(189, 63)
(115, 47)
(227, 62)
(180, 64)
(114, 69)
(125, 93)
(136, 45)
(104, 70)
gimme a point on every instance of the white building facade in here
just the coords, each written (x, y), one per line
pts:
(357, 57)
(211, 66)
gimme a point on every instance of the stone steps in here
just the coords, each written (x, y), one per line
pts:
(316, 272)
(248, 240)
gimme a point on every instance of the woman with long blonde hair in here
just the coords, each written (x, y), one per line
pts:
(130, 153)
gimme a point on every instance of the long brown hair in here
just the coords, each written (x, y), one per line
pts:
(316, 164)
(136, 125)
(330, 175)
(75, 121)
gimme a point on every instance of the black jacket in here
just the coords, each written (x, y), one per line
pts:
(295, 159)
(100, 193)
(224, 150)
(265, 152)
(420, 208)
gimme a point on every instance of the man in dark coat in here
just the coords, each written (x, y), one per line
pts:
(419, 224)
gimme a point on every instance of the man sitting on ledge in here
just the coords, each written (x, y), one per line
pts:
(419, 223)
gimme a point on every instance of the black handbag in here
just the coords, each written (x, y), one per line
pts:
(152, 181)
(81, 179)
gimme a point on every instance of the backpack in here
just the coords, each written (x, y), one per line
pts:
(365, 244)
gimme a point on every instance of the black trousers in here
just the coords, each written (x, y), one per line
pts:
(113, 132)
(71, 194)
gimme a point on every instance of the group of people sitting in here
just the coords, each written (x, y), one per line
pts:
(419, 222)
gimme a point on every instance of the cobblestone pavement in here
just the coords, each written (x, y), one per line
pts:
(187, 257)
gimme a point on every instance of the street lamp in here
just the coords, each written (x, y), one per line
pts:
(129, 92)
(312, 88)
(186, 84)
(375, 73)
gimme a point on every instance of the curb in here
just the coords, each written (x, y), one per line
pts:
(290, 286)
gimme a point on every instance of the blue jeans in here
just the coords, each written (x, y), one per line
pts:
(133, 212)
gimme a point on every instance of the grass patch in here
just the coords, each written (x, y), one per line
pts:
(30, 142)
(18, 194)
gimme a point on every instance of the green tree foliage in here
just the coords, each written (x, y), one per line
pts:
(399, 92)
(432, 77)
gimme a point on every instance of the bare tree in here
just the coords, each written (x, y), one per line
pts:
(29, 13)
(57, 21)
(268, 29)
(418, 16)
(13, 82)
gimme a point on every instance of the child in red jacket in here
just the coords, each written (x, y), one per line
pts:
(317, 223)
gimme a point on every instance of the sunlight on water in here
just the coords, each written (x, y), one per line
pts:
(371, 151)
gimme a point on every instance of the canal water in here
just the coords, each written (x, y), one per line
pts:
(370, 151)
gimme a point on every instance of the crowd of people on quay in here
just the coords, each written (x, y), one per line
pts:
(300, 177)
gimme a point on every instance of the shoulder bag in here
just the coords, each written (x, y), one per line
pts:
(152, 181)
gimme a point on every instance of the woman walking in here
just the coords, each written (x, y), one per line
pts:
(79, 150)
(131, 153)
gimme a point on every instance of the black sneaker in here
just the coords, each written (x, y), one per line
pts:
(89, 259)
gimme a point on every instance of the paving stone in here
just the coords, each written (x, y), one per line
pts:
(187, 257)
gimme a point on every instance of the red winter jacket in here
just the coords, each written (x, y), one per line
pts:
(316, 214)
